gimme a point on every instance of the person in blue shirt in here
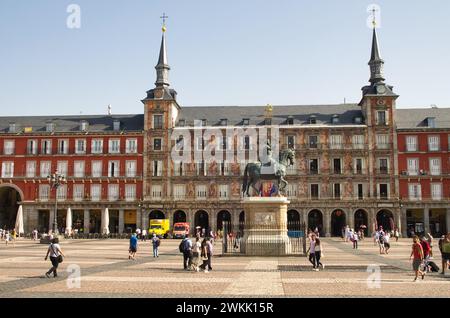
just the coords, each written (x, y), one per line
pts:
(155, 243)
(133, 247)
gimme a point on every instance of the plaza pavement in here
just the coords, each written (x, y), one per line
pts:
(107, 272)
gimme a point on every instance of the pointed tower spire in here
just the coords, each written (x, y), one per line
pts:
(162, 68)
(376, 63)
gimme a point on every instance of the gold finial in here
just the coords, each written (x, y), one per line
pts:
(164, 17)
(374, 16)
(269, 108)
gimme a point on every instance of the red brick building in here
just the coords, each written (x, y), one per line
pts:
(100, 156)
(424, 168)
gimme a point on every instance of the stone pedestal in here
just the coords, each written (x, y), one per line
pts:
(266, 227)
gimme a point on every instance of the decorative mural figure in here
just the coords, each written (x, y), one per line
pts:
(191, 190)
(212, 190)
(235, 189)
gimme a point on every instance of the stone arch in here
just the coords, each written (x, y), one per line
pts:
(315, 220)
(338, 222)
(10, 198)
(361, 218)
(223, 216)
(201, 221)
(156, 214)
(385, 218)
(179, 216)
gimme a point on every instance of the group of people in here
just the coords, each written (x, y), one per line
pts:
(132, 250)
(9, 236)
(350, 235)
(315, 251)
(422, 253)
(194, 251)
(382, 239)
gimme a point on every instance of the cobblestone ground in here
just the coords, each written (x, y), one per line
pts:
(107, 272)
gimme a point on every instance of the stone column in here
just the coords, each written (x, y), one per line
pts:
(138, 218)
(426, 219)
(51, 218)
(327, 222)
(213, 221)
(370, 221)
(121, 221)
(404, 222)
(170, 217)
(398, 220)
(448, 220)
(86, 220)
(350, 219)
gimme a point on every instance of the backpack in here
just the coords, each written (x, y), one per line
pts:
(181, 246)
(158, 243)
(184, 246)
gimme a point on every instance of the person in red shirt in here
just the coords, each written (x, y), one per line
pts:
(417, 253)
(426, 252)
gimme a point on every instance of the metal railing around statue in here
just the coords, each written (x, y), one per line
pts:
(234, 238)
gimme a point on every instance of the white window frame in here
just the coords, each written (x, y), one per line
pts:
(7, 169)
(95, 172)
(162, 121)
(32, 147)
(65, 148)
(412, 166)
(130, 192)
(46, 146)
(44, 192)
(78, 192)
(292, 190)
(414, 191)
(61, 192)
(379, 164)
(436, 191)
(31, 169)
(435, 170)
(318, 191)
(116, 172)
(156, 192)
(224, 191)
(97, 146)
(382, 141)
(161, 144)
(336, 142)
(434, 143)
(45, 168)
(131, 145)
(114, 146)
(294, 145)
(411, 143)
(178, 169)
(179, 192)
(63, 168)
(78, 143)
(201, 192)
(388, 191)
(358, 141)
(96, 192)
(363, 166)
(9, 147)
(130, 168)
(340, 191)
(113, 192)
(157, 168)
(79, 169)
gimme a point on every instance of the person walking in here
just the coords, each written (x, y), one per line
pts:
(133, 246)
(196, 251)
(381, 241)
(13, 237)
(426, 252)
(396, 235)
(7, 237)
(430, 242)
(312, 251)
(155, 242)
(355, 240)
(186, 244)
(144, 235)
(203, 256)
(209, 252)
(56, 257)
(386, 242)
(417, 258)
(444, 247)
(319, 253)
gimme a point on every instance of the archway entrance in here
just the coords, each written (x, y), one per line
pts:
(202, 221)
(362, 221)
(315, 221)
(338, 222)
(156, 215)
(241, 223)
(385, 218)
(9, 204)
(223, 216)
(293, 219)
(179, 217)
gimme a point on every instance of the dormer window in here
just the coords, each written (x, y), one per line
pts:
(181, 123)
(246, 121)
(335, 119)
(116, 125)
(313, 120)
(12, 127)
(84, 126)
(223, 122)
(431, 122)
(204, 122)
(49, 127)
(290, 120)
(357, 120)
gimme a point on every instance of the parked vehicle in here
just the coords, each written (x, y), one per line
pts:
(181, 229)
(160, 227)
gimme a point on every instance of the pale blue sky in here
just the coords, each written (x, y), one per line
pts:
(232, 52)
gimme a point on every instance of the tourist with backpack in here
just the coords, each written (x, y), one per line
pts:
(186, 248)
(56, 257)
(156, 242)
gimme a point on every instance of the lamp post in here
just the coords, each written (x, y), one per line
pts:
(56, 180)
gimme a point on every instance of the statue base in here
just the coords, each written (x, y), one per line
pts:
(266, 231)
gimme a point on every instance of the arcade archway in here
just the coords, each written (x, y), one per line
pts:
(10, 198)
(179, 217)
(362, 221)
(201, 221)
(315, 220)
(156, 215)
(338, 222)
(385, 218)
(223, 216)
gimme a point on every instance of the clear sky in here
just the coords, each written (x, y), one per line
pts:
(233, 52)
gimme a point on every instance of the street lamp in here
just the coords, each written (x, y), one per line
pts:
(56, 180)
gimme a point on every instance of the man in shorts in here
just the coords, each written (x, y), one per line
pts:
(444, 246)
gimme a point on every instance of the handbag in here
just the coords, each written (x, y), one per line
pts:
(59, 258)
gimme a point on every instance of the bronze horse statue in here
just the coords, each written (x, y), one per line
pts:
(252, 174)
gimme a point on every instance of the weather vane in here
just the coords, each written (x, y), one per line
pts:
(374, 15)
